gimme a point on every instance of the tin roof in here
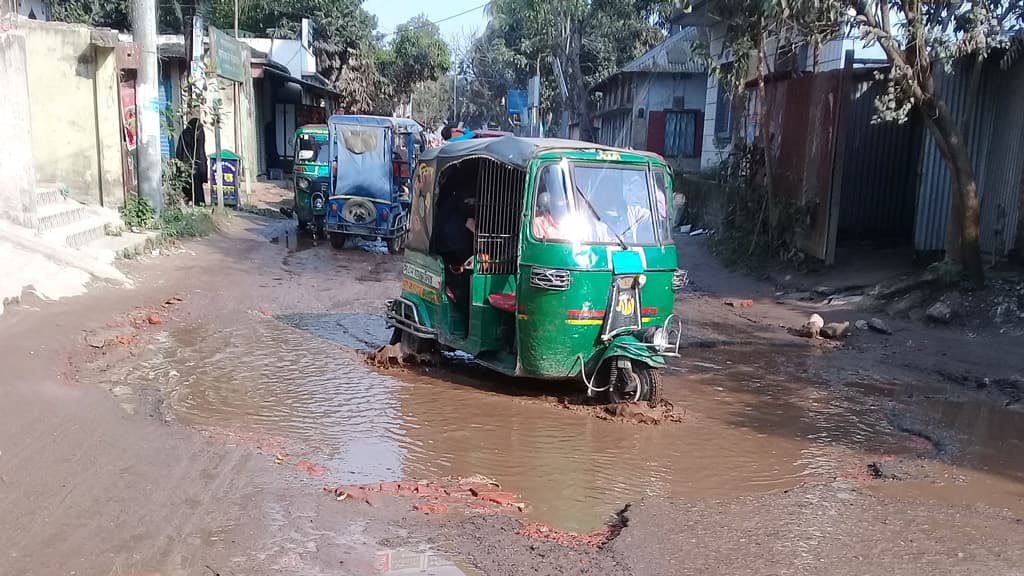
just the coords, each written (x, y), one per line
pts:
(518, 151)
(675, 55)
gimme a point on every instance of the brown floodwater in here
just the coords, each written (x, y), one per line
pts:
(748, 428)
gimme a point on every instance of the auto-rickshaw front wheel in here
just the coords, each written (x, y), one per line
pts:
(634, 382)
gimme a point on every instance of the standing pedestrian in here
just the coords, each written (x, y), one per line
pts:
(192, 151)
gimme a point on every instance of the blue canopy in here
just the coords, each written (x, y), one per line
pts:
(362, 146)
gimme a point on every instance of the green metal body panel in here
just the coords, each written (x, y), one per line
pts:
(318, 173)
(553, 334)
(629, 347)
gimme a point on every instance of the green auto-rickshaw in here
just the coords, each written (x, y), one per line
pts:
(311, 176)
(543, 258)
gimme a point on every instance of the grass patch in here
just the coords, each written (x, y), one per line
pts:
(186, 222)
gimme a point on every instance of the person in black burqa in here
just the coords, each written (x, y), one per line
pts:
(192, 151)
(453, 241)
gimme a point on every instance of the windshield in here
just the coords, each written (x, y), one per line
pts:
(596, 203)
(318, 144)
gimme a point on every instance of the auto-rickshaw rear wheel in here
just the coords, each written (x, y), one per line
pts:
(338, 241)
(396, 244)
(624, 381)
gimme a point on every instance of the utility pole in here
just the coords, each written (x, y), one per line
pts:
(237, 99)
(148, 104)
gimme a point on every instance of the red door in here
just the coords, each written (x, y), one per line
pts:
(656, 132)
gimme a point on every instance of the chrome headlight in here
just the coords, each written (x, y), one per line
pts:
(679, 280)
(318, 201)
(655, 336)
(303, 183)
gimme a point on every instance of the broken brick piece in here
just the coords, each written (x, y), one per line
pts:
(428, 491)
(499, 498)
(431, 508)
(390, 487)
(154, 319)
(739, 303)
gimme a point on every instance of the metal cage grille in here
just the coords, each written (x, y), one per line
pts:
(499, 213)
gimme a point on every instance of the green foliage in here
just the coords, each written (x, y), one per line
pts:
(417, 54)
(187, 222)
(178, 220)
(590, 38)
(754, 230)
(177, 175)
(138, 213)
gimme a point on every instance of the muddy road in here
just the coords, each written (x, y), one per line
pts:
(189, 426)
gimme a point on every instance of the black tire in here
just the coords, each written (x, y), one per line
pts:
(302, 226)
(396, 244)
(650, 384)
(338, 241)
(396, 336)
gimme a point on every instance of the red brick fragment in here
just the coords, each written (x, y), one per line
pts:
(740, 303)
(389, 487)
(499, 498)
(154, 319)
(431, 508)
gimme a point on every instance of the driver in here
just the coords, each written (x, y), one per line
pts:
(551, 212)
(638, 211)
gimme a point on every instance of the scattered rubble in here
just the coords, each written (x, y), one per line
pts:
(835, 330)
(739, 303)
(476, 494)
(811, 328)
(593, 540)
(861, 324)
(640, 413)
(878, 325)
(940, 312)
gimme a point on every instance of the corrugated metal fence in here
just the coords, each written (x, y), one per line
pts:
(996, 145)
(879, 171)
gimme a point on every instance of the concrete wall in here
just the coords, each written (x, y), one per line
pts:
(73, 86)
(17, 180)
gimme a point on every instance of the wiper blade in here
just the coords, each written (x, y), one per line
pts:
(593, 211)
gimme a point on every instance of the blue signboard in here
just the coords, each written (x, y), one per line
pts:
(517, 102)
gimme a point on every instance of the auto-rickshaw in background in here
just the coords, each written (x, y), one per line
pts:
(373, 160)
(543, 258)
(311, 176)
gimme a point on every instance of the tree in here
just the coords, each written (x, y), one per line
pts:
(417, 54)
(586, 39)
(915, 36)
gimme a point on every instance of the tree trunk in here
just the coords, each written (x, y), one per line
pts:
(963, 240)
(577, 86)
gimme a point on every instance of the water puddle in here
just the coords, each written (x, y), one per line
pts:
(427, 563)
(990, 458)
(748, 428)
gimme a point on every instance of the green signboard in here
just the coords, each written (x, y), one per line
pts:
(226, 56)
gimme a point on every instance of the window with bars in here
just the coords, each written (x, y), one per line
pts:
(499, 211)
(681, 134)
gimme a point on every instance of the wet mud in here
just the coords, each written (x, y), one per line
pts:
(774, 462)
(748, 428)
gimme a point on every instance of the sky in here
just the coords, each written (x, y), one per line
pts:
(391, 13)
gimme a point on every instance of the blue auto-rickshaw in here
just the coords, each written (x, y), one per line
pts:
(373, 162)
